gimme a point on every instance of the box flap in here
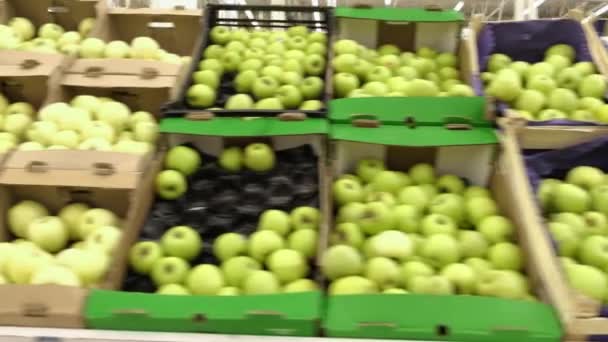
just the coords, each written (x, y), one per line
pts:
(42, 305)
(400, 14)
(21, 63)
(74, 168)
(244, 127)
(419, 110)
(111, 73)
(451, 134)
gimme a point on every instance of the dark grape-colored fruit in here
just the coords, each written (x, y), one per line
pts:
(138, 283)
(226, 199)
(195, 214)
(154, 228)
(202, 188)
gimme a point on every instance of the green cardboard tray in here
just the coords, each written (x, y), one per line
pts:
(441, 318)
(417, 110)
(399, 14)
(246, 126)
(293, 314)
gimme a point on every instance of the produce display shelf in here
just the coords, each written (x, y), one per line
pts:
(21, 334)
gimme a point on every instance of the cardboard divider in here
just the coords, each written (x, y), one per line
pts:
(291, 314)
(68, 177)
(581, 316)
(176, 30)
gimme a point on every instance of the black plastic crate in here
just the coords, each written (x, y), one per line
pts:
(216, 15)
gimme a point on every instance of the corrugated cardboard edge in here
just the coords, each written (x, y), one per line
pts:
(93, 169)
(577, 313)
(22, 64)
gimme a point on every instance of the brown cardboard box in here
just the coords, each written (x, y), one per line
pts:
(176, 30)
(580, 315)
(67, 13)
(24, 75)
(56, 178)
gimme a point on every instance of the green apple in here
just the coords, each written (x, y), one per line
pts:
(259, 157)
(563, 99)
(420, 87)
(262, 243)
(311, 87)
(530, 100)
(589, 280)
(90, 265)
(506, 256)
(340, 261)
(476, 191)
(593, 251)
(422, 174)
(70, 215)
(561, 50)
(592, 86)
(272, 103)
(300, 285)
(388, 181)
(502, 284)
(220, 35)
(391, 244)
(345, 63)
(264, 87)
(505, 86)
(104, 239)
(383, 271)
(352, 285)
(590, 103)
(461, 90)
(56, 275)
(275, 220)
(289, 95)
(541, 68)
(170, 184)
(376, 88)
(236, 269)
(182, 241)
(345, 46)
(391, 62)
(229, 245)
(440, 250)
(411, 269)
(243, 82)
(213, 65)
(477, 208)
(551, 114)
(438, 224)
(303, 241)
(311, 105)
(570, 198)
(344, 83)
(496, 228)
(446, 59)
(214, 51)
(414, 195)
(462, 276)
(200, 95)
(231, 159)
(207, 77)
(582, 115)
(586, 177)
(408, 73)
(376, 217)
(239, 102)
(261, 282)
(169, 270)
(48, 232)
(498, 61)
(407, 218)
(143, 255)
(305, 218)
(95, 218)
(92, 48)
(367, 169)
(585, 68)
(287, 265)
(173, 290)
(560, 63)
(20, 215)
(347, 233)
(472, 244)
(23, 27)
(543, 83)
(566, 237)
(347, 191)
(432, 285)
(520, 67)
(205, 279)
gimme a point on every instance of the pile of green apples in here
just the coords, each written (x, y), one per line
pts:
(576, 209)
(269, 69)
(71, 248)
(20, 34)
(387, 71)
(86, 123)
(555, 88)
(418, 232)
(274, 259)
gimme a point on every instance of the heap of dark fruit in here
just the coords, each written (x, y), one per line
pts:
(206, 208)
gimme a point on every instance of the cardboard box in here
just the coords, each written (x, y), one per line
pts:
(176, 30)
(410, 29)
(55, 178)
(514, 37)
(582, 317)
(66, 13)
(267, 17)
(464, 148)
(296, 314)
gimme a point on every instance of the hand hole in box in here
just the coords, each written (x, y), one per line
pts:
(442, 330)
(199, 318)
